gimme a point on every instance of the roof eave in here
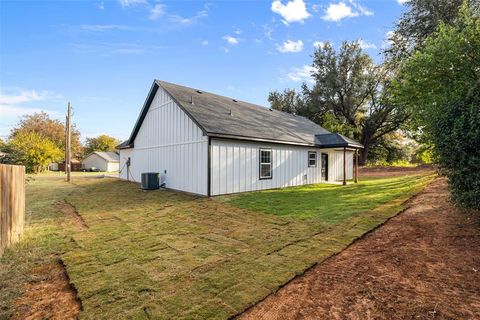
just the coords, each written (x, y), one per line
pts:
(347, 145)
(247, 138)
(126, 146)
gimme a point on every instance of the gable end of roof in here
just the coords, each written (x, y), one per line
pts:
(146, 106)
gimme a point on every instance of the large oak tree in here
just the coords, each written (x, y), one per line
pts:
(420, 19)
(350, 96)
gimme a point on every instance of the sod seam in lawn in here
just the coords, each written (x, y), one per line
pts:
(163, 254)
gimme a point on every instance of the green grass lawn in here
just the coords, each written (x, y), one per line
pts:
(330, 203)
(163, 254)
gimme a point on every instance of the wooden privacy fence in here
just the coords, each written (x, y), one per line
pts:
(12, 204)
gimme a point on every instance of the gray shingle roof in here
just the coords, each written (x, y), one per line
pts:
(108, 156)
(220, 116)
(225, 116)
(333, 140)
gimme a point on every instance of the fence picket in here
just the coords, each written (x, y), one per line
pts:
(12, 204)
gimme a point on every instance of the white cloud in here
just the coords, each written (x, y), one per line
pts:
(293, 11)
(364, 11)
(303, 74)
(189, 21)
(341, 10)
(338, 11)
(267, 31)
(401, 2)
(237, 31)
(291, 46)
(316, 7)
(157, 11)
(21, 97)
(12, 103)
(205, 43)
(14, 111)
(231, 40)
(109, 48)
(100, 5)
(103, 27)
(366, 45)
(318, 44)
(128, 3)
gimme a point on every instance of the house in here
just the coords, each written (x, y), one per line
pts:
(103, 161)
(208, 144)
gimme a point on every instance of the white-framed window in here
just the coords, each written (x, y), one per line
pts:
(265, 163)
(312, 158)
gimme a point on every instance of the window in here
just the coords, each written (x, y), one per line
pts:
(265, 164)
(312, 158)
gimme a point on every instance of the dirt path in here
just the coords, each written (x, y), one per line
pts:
(49, 297)
(422, 264)
(394, 171)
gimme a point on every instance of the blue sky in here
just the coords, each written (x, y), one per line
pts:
(102, 56)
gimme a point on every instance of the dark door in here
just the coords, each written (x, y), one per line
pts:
(324, 167)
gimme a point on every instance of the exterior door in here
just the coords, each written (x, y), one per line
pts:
(324, 167)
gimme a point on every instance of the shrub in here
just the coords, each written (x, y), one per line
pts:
(458, 146)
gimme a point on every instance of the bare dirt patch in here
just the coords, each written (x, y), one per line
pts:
(71, 212)
(381, 171)
(49, 296)
(422, 264)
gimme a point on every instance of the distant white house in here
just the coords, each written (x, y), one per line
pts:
(208, 144)
(103, 161)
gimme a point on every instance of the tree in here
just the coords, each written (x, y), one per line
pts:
(101, 143)
(440, 85)
(350, 96)
(421, 19)
(33, 150)
(49, 128)
(287, 101)
(392, 148)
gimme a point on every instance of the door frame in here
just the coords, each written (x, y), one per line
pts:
(324, 156)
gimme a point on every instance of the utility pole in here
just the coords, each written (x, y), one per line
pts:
(65, 149)
(68, 166)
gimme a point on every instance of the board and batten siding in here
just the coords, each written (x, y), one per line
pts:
(235, 166)
(169, 143)
(337, 165)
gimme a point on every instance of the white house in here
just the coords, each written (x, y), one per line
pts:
(208, 144)
(104, 161)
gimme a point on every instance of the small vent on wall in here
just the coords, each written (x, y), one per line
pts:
(230, 113)
(199, 91)
(234, 100)
(191, 100)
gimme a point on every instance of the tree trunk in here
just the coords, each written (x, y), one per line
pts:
(364, 154)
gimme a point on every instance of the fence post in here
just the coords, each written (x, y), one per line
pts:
(12, 204)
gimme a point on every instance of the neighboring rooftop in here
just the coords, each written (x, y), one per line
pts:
(220, 116)
(108, 156)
